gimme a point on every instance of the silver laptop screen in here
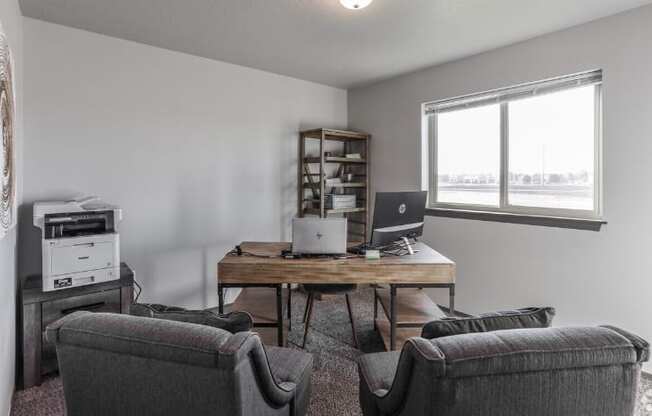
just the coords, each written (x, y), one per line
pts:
(319, 236)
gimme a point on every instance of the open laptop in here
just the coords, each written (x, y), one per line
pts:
(319, 236)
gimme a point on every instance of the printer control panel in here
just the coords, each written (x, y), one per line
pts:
(61, 283)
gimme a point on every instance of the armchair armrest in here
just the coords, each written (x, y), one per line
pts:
(52, 330)
(247, 345)
(488, 322)
(387, 395)
(641, 346)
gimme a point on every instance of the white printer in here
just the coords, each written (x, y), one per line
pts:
(80, 242)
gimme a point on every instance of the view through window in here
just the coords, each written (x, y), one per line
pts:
(530, 149)
(468, 156)
(551, 150)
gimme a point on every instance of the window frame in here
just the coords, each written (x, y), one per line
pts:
(505, 209)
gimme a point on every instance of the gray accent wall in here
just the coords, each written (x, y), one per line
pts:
(590, 277)
(200, 154)
(12, 23)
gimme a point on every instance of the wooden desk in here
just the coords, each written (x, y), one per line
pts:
(263, 267)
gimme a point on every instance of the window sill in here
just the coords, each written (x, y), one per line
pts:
(540, 220)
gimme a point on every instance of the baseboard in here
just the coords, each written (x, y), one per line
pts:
(11, 400)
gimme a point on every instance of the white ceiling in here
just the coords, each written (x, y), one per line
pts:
(321, 41)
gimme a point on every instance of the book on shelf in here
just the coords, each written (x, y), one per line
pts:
(333, 181)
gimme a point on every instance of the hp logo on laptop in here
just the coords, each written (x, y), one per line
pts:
(402, 208)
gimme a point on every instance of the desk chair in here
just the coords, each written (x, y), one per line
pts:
(317, 290)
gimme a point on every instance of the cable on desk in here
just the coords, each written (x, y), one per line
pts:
(237, 251)
(395, 249)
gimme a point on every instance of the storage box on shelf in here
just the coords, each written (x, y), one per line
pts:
(335, 201)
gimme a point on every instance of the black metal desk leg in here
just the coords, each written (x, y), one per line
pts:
(279, 314)
(451, 300)
(289, 307)
(220, 298)
(392, 317)
(375, 308)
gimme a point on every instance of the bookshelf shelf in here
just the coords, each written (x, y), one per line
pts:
(335, 160)
(315, 211)
(340, 185)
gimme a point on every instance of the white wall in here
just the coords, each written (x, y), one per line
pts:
(199, 154)
(591, 278)
(11, 21)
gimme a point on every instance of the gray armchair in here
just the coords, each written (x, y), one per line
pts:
(577, 371)
(127, 365)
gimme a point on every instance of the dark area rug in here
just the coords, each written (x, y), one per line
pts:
(335, 376)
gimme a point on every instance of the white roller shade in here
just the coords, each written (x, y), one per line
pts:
(514, 93)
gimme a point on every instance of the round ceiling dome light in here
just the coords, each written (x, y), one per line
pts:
(355, 4)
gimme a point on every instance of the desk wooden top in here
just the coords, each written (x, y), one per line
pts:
(427, 267)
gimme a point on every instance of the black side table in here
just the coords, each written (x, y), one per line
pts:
(38, 309)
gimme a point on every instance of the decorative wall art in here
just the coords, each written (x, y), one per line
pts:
(7, 150)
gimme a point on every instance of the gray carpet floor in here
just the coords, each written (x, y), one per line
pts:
(335, 378)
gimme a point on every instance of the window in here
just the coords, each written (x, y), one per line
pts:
(533, 149)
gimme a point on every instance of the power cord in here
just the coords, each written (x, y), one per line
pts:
(140, 289)
(396, 249)
(237, 251)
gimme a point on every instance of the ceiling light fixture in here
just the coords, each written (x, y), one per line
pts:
(355, 4)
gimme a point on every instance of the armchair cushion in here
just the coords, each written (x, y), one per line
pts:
(232, 322)
(516, 319)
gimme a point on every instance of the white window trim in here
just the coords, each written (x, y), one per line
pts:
(429, 113)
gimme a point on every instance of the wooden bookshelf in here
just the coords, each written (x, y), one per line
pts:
(322, 155)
